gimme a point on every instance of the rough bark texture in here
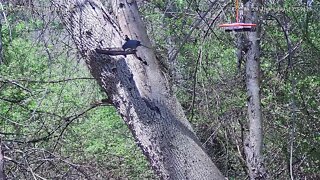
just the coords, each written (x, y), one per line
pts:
(140, 93)
(2, 175)
(253, 143)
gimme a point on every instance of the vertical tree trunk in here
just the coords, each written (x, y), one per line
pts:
(253, 143)
(2, 175)
(139, 92)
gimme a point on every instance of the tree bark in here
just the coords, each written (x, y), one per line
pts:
(139, 92)
(2, 174)
(253, 143)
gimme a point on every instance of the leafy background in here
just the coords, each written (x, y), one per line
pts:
(54, 126)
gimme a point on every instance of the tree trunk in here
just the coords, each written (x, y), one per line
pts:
(139, 92)
(2, 175)
(253, 143)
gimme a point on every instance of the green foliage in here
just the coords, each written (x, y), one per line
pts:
(38, 109)
(212, 90)
(207, 82)
(106, 140)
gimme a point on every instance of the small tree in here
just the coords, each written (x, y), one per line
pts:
(253, 142)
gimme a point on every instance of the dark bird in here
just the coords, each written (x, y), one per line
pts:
(131, 44)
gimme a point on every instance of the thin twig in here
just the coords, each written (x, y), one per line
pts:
(176, 51)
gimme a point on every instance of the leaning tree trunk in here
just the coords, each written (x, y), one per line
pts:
(139, 92)
(253, 143)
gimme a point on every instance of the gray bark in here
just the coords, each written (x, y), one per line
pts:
(140, 93)
(253, 143)
(2, 174)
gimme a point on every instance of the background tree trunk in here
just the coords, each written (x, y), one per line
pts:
(253, 143)
(2, 175)
(140, 93)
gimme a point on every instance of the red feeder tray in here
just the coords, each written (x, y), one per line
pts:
(238, 26)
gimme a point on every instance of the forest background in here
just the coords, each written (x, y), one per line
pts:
(54, 123)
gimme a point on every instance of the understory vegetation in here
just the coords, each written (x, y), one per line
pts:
(54, 123)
